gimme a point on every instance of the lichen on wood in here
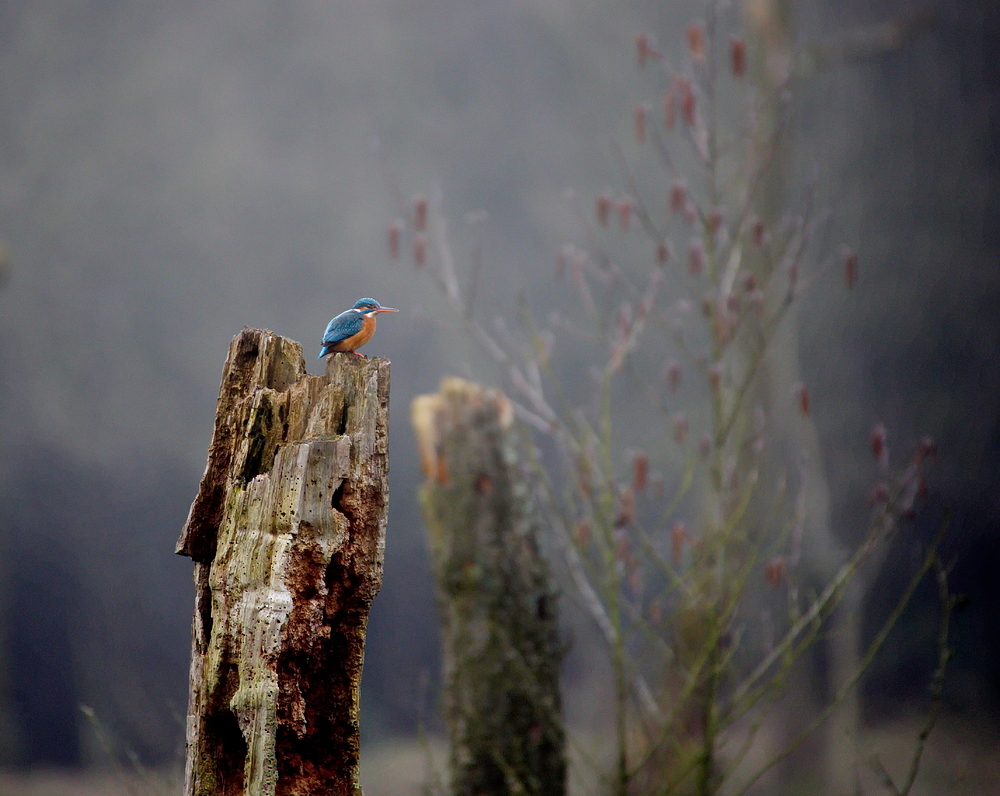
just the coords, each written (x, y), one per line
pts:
(501, 650)
(287, 533)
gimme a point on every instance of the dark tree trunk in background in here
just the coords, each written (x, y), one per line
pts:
(288, 534)
(501, 650)
(773, 33)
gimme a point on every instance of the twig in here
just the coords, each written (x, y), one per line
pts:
(948, 604)
(929, 560)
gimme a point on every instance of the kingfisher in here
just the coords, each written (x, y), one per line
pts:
(352, 329)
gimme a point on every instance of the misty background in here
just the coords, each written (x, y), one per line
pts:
(172, 172)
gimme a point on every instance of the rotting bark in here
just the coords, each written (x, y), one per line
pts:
(501, 650)
(287, 533)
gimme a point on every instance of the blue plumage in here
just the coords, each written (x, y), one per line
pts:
(352, 329)
(340, 328)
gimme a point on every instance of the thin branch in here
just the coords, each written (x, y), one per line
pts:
(948, 603)
(640, 205)
(929, 560)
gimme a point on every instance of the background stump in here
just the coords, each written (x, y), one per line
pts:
(500, 643)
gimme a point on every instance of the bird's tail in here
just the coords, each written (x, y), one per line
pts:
(324, 352)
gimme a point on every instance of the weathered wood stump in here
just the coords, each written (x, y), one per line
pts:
(501, 650)
(287, 533)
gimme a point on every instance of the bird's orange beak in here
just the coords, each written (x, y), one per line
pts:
(386, 309)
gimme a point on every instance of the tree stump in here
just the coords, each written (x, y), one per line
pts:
(287, 533)
(501, 650)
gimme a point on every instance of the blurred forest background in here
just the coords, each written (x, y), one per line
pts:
(172, 172)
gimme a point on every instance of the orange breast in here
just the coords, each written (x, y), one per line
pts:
(355, 341)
